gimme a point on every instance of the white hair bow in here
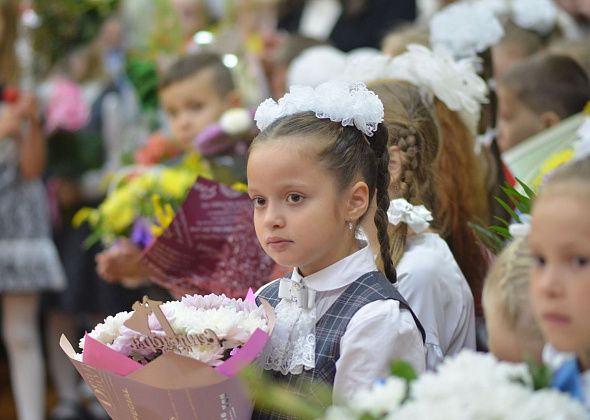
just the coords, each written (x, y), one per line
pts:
(416, 217)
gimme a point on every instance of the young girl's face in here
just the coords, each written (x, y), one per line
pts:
(299, 213)
(560, 278)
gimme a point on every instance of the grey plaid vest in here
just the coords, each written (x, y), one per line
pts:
(330, 328)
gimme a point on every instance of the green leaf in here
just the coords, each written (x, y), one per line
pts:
(489, 239)
(403, 370)
(528, 191)
(272, 395)
(507, 208)
(540, 373)
(502, 220)
(502, 231)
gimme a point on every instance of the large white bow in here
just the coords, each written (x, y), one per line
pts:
(416, 217)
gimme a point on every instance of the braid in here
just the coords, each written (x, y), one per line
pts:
(379, 146)
(407, 141)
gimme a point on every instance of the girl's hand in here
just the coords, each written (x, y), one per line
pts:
(27, 106)
(10, 121)
(120, 262)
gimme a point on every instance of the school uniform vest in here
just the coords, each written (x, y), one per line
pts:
(330, 328)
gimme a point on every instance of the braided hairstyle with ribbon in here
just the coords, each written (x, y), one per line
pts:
(350, 155)
(413, 131)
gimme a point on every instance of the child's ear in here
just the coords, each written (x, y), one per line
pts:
(358, 201)
(233, 99)
(549, 119)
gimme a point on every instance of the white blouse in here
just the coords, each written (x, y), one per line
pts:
(377, 334)
(436, 289)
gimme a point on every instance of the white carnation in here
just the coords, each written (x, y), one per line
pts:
(548, 404)
(381, 398)
(465, 29)
(107, 331)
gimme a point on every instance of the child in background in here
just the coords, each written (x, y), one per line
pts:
(313, 171)
(78, 158)
(573, 48)
(537, 94)
(560, 277)
(29, 263)
(516, 45)
(456, 92)
(395, 42)
(194, 93)
(428, 275)
(513, 333)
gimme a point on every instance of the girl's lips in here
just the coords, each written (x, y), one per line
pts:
(556, 319)
(278, 244)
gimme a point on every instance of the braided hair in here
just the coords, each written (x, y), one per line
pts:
(506, 289)
(350, 156)
(413, 129)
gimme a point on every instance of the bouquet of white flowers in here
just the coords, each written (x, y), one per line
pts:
(472, 386)
(177, 359)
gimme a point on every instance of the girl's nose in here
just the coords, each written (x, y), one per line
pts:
(274, 217)
(550, 281)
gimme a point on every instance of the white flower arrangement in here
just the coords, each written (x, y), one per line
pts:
(536, 15)
(232, 320)
(471, 386)
(465, 29)
(349, 103)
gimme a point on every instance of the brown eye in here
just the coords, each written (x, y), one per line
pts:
(258, 202)
(294, 198)
(580, 261)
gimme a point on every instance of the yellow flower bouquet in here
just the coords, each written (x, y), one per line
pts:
(141, 200)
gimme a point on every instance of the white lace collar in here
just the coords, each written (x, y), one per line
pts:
(341, 273)
(292, 344)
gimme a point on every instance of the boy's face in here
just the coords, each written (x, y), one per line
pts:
(192, 104)
(516, 122)
(504, 56)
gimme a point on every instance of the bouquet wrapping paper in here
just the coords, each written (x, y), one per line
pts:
(172, 386)
(210, 246)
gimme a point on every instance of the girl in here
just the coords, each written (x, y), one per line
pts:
(560, 277)
(429, 277)
(29, 262)
(319, 161)
(512, 330)
(456, 93)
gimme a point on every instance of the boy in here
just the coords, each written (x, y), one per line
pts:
(537, 94)
(195, 91)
